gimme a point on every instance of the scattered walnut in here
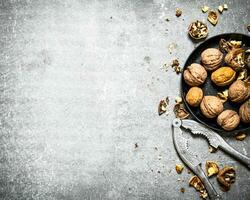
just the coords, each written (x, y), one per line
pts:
(178, 12)
(198, 30)
(226, 177)
(198, 185)
(204, 9)
(179, 168)
(240, 136)
(211, 168)
(225, 7)
(176, 66)
(182, 190)
(162, 108)
(180, 111)
(213, 17)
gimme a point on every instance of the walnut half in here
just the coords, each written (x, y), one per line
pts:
(211, 168)
(198, 185)
(226, 177)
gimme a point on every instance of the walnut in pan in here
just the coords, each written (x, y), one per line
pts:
(228, 120)
(195, 75)
(211, 106)
(211, 58)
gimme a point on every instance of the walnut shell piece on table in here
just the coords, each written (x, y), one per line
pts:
(226, 177)
(211, 58)
(194, 96)
(228, 120)
(223, 76)
(238, 91)
(211, 106)
(195, 75)
(244, 112)
(235, 58)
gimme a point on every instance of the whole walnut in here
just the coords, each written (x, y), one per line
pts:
(194, 96)
(223, 76)
(244, 112)
(211, 58)
(238, 91)
(195, 74)
(235, 58)
(211, 106)
(228, 120)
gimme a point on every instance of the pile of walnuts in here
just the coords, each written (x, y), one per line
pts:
(233, 75)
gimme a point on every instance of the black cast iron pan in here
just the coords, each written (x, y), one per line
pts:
(208, 87)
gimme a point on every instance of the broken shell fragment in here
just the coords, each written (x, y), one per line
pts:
(226, 177)
(211, 168)
(180, 111)
(235, 58)
(227, 46)
(247, 58)
(240, 136)
(178, 12)
(198, 30)
(204, 9)
(220, 8)
(223, 95)
(179, 168)
(225, 6)
(213, 17)
(198, 185)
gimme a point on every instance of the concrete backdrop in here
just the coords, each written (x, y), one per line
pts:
(80, 82)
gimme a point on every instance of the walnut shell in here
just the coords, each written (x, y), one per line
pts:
(223, 76)
(194, 96)
(211, 106)
(238, 91)
(211, 58)
(235, 58)
(195, 75)
(244, 112)
(226, 177)
(228, 120)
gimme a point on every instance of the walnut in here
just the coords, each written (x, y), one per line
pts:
(226, 46)
(195, 75)
(226, 177)
(223, 76)
(235, 58)
(211, 58)
(240, 136)
(228, 120)
(244, 112)
(194, 96)
(211, 106)
(211, 168)
(178, 12)
(198, 30)
(179, 168)
(238, 91)
(180, 111)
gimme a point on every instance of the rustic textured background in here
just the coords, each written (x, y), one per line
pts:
(80, 83)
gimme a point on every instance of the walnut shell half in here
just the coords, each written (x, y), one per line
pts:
(211, 58)
(235, 58)
(226, 177)
(228, 120)
(195, 75)
(211, 106)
